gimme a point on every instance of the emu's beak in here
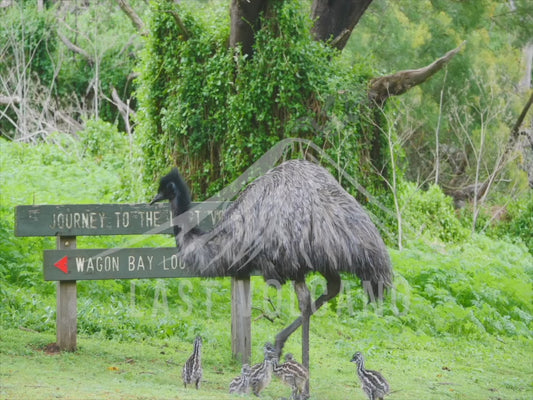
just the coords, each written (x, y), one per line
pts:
(157, 198)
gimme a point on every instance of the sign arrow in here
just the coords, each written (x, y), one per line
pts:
(62, 264)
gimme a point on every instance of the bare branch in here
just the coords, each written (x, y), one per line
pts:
(480, 190)
(400, 82)
(186, 34)
(341, 39)
(8, 100)
(123, 108)
(6, 3)
(68, 120)
(515, 131)
(133, 16)
(76, 49)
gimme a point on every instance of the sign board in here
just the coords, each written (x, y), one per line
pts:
(126, 263)
(107, 219)
(123, 263)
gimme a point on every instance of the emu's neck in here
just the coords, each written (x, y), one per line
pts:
(361, 367)
(199, 250)
(180, 206)
(197, 352)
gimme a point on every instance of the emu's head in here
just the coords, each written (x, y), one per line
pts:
(358, 358)
(173, 188)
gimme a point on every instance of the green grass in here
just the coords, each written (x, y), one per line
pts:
(416, 366)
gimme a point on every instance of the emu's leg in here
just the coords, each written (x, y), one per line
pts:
(333, 289)
(304, 301)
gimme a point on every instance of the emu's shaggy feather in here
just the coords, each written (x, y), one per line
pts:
(293, 220)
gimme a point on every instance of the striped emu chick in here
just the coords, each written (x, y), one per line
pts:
(293, 374)
(261, 373)
(192, 370)
(241, 384)
(372, 382)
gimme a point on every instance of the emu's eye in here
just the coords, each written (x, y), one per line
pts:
(171, 187)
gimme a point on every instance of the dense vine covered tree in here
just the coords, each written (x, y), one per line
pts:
(228, 96)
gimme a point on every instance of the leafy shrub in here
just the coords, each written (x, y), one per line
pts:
(429, 213)
(482, 286)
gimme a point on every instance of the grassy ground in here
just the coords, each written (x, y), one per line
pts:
(417, 367)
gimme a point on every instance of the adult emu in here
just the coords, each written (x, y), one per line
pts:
(293, 220)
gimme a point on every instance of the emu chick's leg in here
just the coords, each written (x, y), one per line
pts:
(333, 289)
(304, 301)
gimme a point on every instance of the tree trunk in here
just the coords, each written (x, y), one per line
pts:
(245, 21)
(335, 19)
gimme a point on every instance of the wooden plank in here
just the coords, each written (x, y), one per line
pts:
(107, 219)
(241, 319)
(128, 263)
(67, 305)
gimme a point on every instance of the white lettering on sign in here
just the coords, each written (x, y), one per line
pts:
(146, 219)
(172, 263)
(98, 264)
(150, 219)
(215, 216)
(122, 219)
(88, 220)
(140, 262)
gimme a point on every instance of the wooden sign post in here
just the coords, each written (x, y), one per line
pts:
(68, 264)
(67, 304)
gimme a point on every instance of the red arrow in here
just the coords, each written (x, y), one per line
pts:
(62, 264)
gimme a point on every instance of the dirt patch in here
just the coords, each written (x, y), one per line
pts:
(51, 349)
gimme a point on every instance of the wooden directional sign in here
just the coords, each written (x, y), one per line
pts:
(94, 264)
(106, 219)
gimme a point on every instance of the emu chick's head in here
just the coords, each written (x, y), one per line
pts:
(246, 370)
(173, 188)
(270, 352)
(357, 358)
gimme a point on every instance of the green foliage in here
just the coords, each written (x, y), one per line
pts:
(430, 214)
(479, 287)
(517, 224)
(27, 45)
